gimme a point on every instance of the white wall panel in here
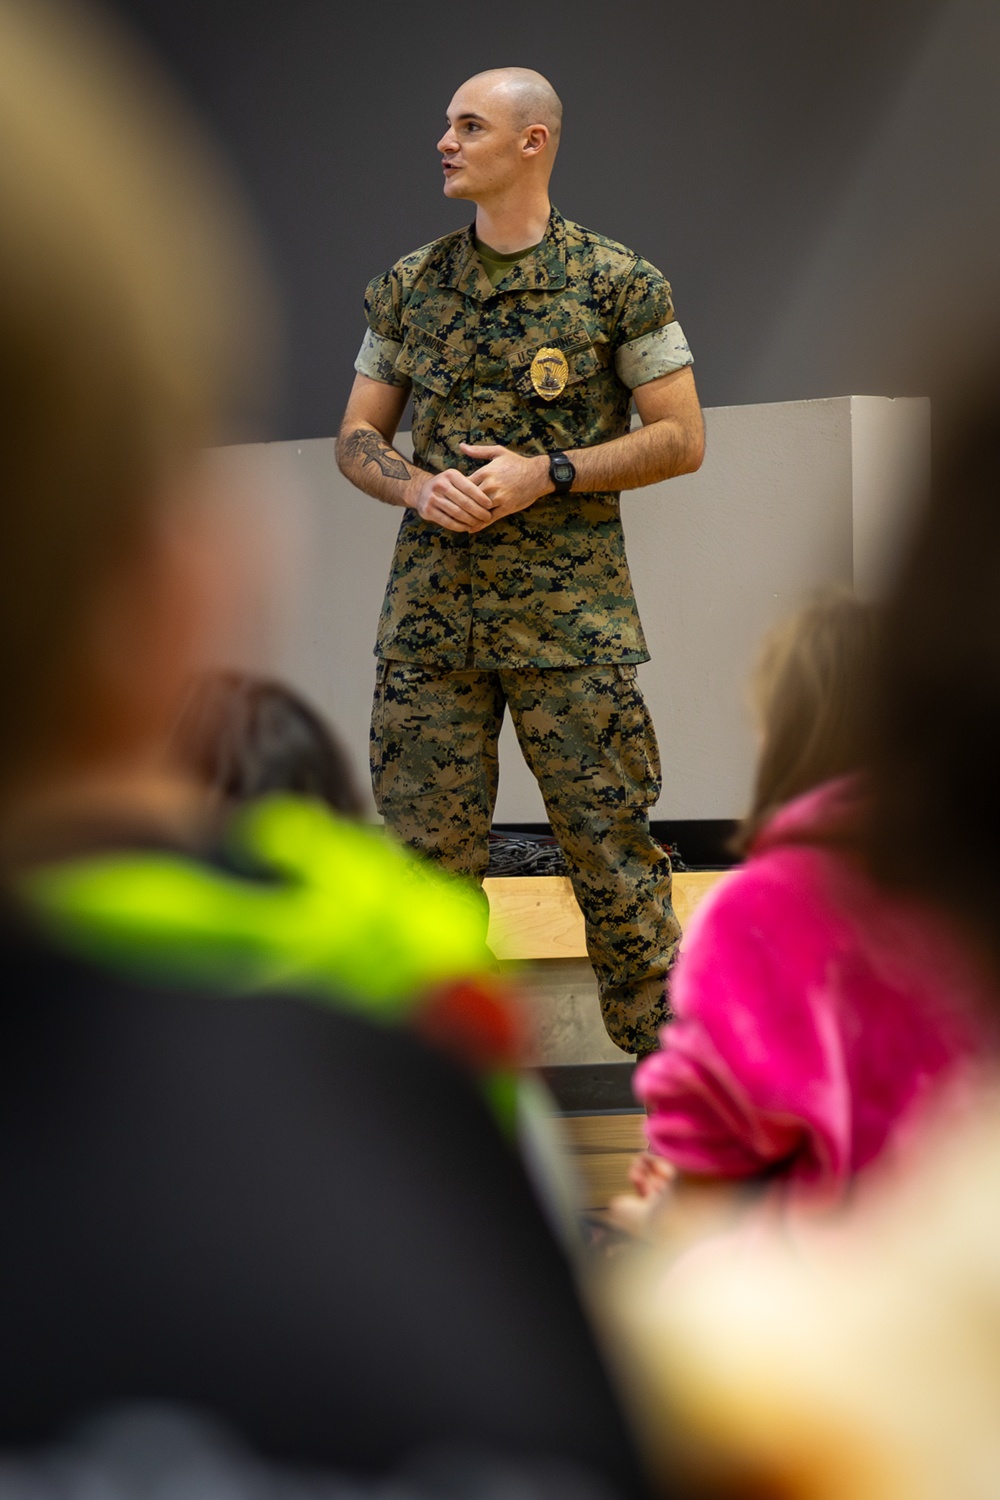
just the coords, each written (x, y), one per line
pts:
(790, 496)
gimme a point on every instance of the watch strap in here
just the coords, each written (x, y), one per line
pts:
(563, 480)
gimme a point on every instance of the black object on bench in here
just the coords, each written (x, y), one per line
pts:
(591, 1088)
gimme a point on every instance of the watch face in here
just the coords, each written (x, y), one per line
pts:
(562, 470)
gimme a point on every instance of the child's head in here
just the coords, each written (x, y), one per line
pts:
(811, 694)
(244, 736)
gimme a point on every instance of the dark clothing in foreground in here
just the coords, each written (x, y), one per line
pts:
(164, 1453)
(280, 1214)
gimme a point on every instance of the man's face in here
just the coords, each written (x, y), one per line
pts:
(480, 150)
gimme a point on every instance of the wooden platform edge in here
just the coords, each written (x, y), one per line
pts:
(537, 916)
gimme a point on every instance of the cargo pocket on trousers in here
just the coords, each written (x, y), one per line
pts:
(376, 738)
(638, 752)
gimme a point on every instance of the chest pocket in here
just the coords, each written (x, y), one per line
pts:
(431, 361)
(581, 353)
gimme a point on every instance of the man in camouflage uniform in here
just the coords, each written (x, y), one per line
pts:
(523, 341)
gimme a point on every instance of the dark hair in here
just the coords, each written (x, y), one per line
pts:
(812, 696)
(245, 736)
(936, 817)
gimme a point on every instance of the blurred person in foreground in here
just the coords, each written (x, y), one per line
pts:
(272, 1211)
(288, 891)
(815, 1014)
(857, 1357)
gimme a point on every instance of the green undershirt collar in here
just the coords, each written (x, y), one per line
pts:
(496, 264)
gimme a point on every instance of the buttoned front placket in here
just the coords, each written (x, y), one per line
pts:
(487, 377)
(494, 328)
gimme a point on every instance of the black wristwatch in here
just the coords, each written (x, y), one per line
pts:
(561, 472)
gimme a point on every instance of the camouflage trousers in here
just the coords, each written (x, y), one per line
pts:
(588, 739)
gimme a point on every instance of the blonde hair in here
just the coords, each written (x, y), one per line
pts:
(811, 692)
(125, 329)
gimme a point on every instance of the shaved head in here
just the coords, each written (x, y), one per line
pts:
(502, 138)
(529, 97)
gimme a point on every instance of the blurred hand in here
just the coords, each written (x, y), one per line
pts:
(637, 1213)
(651, 1175)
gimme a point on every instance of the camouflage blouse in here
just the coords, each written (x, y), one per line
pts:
(549, 586)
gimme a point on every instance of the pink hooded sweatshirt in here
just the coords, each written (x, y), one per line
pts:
(813, 1012)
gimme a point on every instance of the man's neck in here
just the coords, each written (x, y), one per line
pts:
(512, 225)
(53, 813)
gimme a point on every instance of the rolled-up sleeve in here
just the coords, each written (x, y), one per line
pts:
(383, 340)
(653, 355)
(649, 342)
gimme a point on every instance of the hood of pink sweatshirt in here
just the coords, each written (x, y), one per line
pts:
(831, 812)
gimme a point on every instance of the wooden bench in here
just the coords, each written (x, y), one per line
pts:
(601, 1148)
(536, 916)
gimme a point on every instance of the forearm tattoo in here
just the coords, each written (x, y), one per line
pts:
(367, 447)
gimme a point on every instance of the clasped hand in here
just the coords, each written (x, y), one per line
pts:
(506, 483)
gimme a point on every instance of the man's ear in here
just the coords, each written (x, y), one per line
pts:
(535, 140)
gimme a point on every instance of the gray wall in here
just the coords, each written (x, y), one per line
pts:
(900, 290)
(816, 179)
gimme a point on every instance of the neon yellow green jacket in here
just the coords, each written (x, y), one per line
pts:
(338, 910)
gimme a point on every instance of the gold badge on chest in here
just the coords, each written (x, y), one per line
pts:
(549, 373)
